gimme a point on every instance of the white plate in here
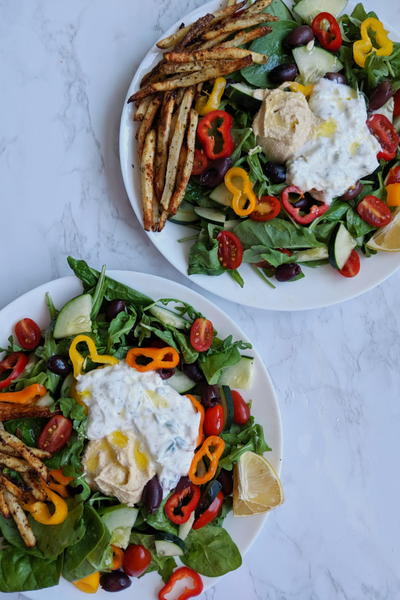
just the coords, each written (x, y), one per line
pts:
(265, 408)
(321, 287)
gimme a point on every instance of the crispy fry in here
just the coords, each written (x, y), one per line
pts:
(163, 220)
(4, 510)
(21, 520)
(25, 452)
(186, 171)
(142, 108)
(238, 24)
(226, 53)
(244, 37)
(6, 449)
(17, 411)
(13, 463)
(172, 68)
(163, 131)
(194, 31)
(173, 39)
(175, 147)
(151, 75)
(34, 485)
(206, 45)
(12, 488)
(147, 123)
(257, 7)
(193, 79)
(147, 178)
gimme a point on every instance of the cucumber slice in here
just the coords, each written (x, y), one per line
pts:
(211, 214)
(340, 247)
(308, 9)
(185, 215)
(186, 528)
(164, 548)
(314, 63)
(181, 382)
(243, 96)
(221, 195)
(74, 317)
(119, 520)
(167, 317)
(227, 405)
(312, 254)
(239, 375)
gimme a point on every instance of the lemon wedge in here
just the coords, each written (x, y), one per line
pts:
(257, 487)
(387, 238)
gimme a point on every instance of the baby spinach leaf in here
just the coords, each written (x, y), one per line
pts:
(21, 572)
(222, 354)
(211, 552)
(256, 254)
(275, 234)
(159, 520)
(203, 255)
(280, 10)
(27, 430)
(356, 226)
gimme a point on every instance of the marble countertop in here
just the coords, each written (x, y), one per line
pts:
(65, 68)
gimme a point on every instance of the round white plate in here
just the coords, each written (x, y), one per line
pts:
(265, 408)
(321, 287)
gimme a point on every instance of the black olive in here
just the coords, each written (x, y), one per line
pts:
(215, 172)
(166, 373)
(194, 372)
(282, 73)
(352, 192)
(59, 365)
(209, 395)
(287, 271)
(115, 581)
(275, 172)
(300, 36)
(380, 95)
(226, 480)
(114, 308)
(152, 494)
(338, 77)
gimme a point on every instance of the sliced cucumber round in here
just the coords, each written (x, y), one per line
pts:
(168, 544)
(167, 317)
(74, 317)
(211, 214)
(181, 382)
(340, 247)
(239, 375)
(221, 195)
(227, 405)
(185, 215)
(242, 94)
(314, 63)
(312, 254)
(119, 520)
(308, 9)
(186, 528)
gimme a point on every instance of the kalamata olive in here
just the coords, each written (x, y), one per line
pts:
(152, 494)
(275, 172)
(115, 581)
(287, 271)
(300, 36)
(194, 372)
(305, 202)
(59, 365)
(182, 484)
(114, 308)
(380, 95)
(338, 77)
(166, 373)
(282, 73)
(352, 192)
(215, 172)
(209, 395)
(226, 480)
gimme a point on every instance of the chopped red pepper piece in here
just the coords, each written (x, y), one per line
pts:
(210, 513)
(214, 133)
(181, 504)
(316, 210)
(194, 588)
(329, 37)
(14, 362)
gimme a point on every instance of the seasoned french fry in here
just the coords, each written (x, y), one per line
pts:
(4, 510)
(163, 220)
(163, 132)
(18, 411)
(12, 488)
(151, 75)
(142, 108)
(147, 178)
(147, 123)
(175, 147)
(25, 452)
(21, 520)
(186, 171)
(6, 449)
(238, 24)
(244, 37)
(194, 31)
(194, 78)
(172, 68)
(34, 485)
(215, 54)
(217, 41)
(13, 463)
(257, 7)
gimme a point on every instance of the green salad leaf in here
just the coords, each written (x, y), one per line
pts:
(164, 565)
(211, 551)
(21, 572)
(239, 440)
(275, 234)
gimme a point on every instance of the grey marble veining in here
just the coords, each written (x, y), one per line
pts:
(65, 68)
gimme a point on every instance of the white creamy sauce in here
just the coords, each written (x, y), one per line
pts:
(120, 398)
(342, 150)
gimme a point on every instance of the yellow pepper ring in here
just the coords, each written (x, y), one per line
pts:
(240, 196)
(364, 47)
(41, 513)
(205, 105)
(306, 90)
(89, 584)
(78, 360)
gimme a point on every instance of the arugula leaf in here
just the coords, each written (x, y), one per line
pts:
(69, 458)
(164, 565)
(98, 294)
(119, 327)
(188, 353)
(275, 234)
(220, 356)
(203, 255)
(21, 572)
(53, 312)
(12, 346)
(211, 551)
(256, 254)
(239, 440)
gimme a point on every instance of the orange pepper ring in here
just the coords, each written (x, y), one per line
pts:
(213, 441)
(157, 356)
(26, 396)
(118, 557)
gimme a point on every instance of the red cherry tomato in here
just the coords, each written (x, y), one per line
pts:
(214, 420)
(201, 334)
(393, 175)
(230, 250)
(136, 560)
(352, 265)
(267, 208)
(210, 513)
(241, 410)
(28, 334)
(374, 212)
(396, 111)
(385, 133)
(55, 434)
(200, 162)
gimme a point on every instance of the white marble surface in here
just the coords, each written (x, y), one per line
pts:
(65, 68)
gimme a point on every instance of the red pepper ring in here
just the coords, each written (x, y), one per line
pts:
(180, 505)
(161, 358)
(194, 588)
(213, 124)
(330, 38)
(14, 362)
(316, 210)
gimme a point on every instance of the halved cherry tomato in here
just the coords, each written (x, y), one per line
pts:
(181, 504)
(393, 176)
(396, 111)
(136, 560)
(55, 434)
(214, 420)
(267, 208)
(230, 250)
(385, 133)
(28, 334)
(14, 362)
(241, 410)
(201, 334)
(210, 513)
(374, 212)
(352, 265)
(200, 162)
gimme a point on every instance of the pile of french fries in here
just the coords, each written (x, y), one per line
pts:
(198, 53)
(28, 463)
